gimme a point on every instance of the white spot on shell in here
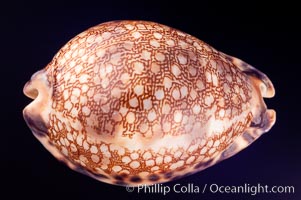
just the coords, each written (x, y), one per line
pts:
(147, 155)
(106, 35)
(78, 69)
(93, 149)
(170, 42)
(155, 168)
(167, 82)
(159, 94)
(200, 85)
(183, 44)
(116, 116)
(83, 159)
(79, 139)
(175, 70)
(150, 163)
(176, 94)
(192, 70)
(133, 102)
(151, 115)
(86, 145)
(193, 94)
(216, 143)
(159, 160)
(135, 164)
(64, 151)
(212, 150)
(104, 148)
(130, 117)
(182, 59)
(167, 159)
(166, 127)
(126, 159)
(125, 78)
(166, 108)
(190, 159)
(139, 90)
(123, 111)
(221, 113)
(208, 77)
(73, 147)
(116, 168)
(196, 109)
(176, 165)
(115, 92)
(143, 174)
(209, 99)
(95, 158)
(154, 43)
(146, 55)
(178, 116)
(184, 91)
(129, 26)
(147, 104)
(136, 34)
(143, 128)
(138, 67)
(155, 68)
(128, 45)
(210, 143)
(86, 111)
(157, 35)
(105, 83)
(68, 105)
(178, 154)
(134, 156)
(160, 56)
(214, 80)
(100, 52)
(70, 137)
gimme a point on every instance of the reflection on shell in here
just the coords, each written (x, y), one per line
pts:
(131, 102)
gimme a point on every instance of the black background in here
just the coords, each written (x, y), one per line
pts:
(265, 36)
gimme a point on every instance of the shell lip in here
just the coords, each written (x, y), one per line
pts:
(35, 124)
(30, 92)
(267, 90)
(265, 84)
(36, 112)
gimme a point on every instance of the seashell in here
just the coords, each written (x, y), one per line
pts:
(136, 102)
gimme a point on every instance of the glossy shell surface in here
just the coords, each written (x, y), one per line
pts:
(135, 102)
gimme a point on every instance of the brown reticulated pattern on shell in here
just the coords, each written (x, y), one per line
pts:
(135, 101)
